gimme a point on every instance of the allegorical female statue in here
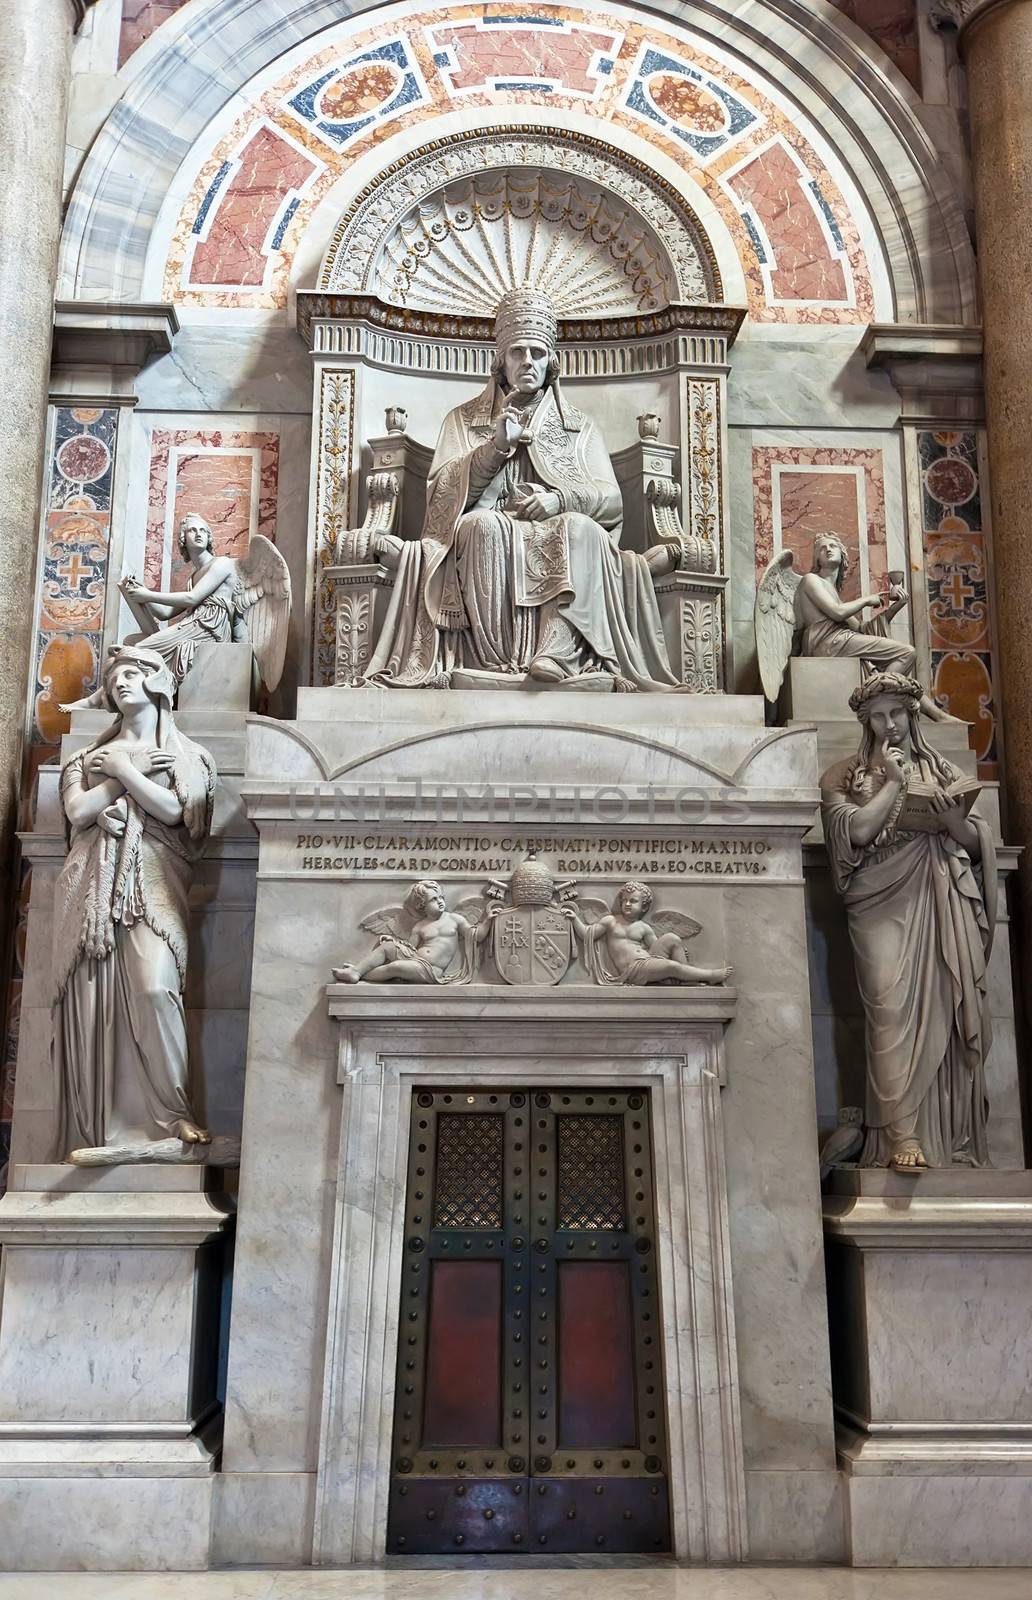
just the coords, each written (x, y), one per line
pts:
(225, 600)
(916, 867)
(519, 568)
(138, 805)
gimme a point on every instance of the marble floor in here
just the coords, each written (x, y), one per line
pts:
(630, 1582)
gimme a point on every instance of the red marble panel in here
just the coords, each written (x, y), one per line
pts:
(233, 253)
(825, 501)
(892, 24)
(804, 267)
(219, 489)
(821, 502)
(139, 20)
(521, 54)
(214, 476)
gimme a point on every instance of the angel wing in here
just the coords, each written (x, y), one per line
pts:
(390, 920)
(473, 909)
(592, 909)
(675, 922)
(774, 620)
(263, 605)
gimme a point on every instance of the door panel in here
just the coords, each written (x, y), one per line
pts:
(596, 1356)
(463, 1403)
(529, 1412)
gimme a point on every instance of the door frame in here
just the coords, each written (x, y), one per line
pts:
(666, 1042)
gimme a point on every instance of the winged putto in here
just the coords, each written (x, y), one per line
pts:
(620, 946)
(422, 941)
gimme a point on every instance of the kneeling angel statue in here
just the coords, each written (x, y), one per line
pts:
(225, 601)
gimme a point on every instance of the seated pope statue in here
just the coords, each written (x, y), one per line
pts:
(519, 569)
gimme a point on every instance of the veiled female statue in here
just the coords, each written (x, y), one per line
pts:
(916, 867)
(138, 805)
(519, 568)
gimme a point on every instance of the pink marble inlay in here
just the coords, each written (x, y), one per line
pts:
(139, 20)
(215, 474)
(892, 24)
(810, 502)
(804, 267)
(234, 251)
(484, 55)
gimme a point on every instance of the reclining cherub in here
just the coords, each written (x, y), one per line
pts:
(621, 947)
(420, 941)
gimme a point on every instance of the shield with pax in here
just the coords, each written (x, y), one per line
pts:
(532, 944)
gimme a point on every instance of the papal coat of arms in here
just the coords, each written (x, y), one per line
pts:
(531, 939)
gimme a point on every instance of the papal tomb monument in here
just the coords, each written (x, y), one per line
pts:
(516, 711)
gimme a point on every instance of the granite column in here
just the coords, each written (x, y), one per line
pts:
(996, 42)
(35, 72)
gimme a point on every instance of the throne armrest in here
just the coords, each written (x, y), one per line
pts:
(685, 552)
(361, 544)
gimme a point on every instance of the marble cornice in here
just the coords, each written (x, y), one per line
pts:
(113, 1220)
(554, 1005)
(935, 368)
(316, 307)
(960, 1222)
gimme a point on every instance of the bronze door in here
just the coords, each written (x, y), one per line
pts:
(529, 1414)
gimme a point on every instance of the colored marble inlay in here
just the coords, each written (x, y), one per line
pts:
(956, 573)
(76, 541)
(139, 20)
(697, 109)
(524, 54)
(801, 250)
(373, 85)
(892, 24)
(799, 493)
(236, 250)
(806, 264)
(230, 479)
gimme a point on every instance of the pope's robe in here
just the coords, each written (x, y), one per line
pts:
(487, 589)
(921, 916)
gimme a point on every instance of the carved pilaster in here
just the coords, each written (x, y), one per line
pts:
(355, 587)
(690, 604)
(333, 443)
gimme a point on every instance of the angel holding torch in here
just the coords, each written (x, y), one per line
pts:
(224, 601)
(621, 947)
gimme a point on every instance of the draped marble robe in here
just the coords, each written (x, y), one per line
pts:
(120, 948)
(485, 589)
(921, 918)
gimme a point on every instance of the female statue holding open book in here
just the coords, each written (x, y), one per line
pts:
(916, 867)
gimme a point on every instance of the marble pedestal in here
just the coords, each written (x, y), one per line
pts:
(109, 1340)
(369, 790)
(817, 691)
(929, 1288)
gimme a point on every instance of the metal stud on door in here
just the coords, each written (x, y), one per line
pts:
(529, 1412)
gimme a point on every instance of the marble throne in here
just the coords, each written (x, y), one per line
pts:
(399, 330)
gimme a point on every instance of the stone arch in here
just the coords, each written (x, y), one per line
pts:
(817, 67)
